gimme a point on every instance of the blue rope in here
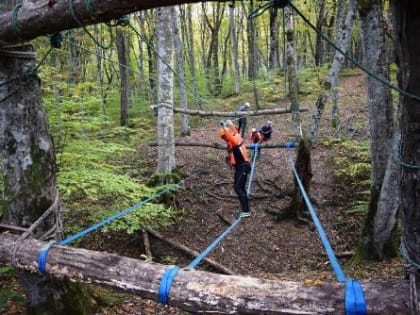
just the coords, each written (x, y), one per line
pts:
(354, 298)
(327, 246)
(169, 275)
(166, 283)
(44, 251)
(254, 158)
(198, 259)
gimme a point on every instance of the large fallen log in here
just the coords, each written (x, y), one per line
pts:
(36, 18)
(206, 113)
(197, 291)
(216, 145)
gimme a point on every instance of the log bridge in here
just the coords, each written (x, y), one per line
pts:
(204, 292)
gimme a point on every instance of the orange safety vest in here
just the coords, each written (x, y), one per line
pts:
(256, 137)
(239, 152)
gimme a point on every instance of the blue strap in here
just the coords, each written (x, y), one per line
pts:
(354, 299)
(198, 259)
(327, 246)
(115, 216)
(44, 251)
(43, 255)
(254, 158)
(289, 145)
(166, 283)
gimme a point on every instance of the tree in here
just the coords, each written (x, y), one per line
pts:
(333, 74)
(406, 21)
(381, 118)
(122, 49)
(29, 173)
(165, 123)
(234, 41)
(185, 124)
(291, 58)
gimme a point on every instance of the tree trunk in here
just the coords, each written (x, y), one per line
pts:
(386, 217)
(28, 169)
(406, 16)
(333, 75)
(381, 118)
(191, 58)
(274, 51)
(122, 49)
(185, 124)
(235, 55)
(292, 70)
(165, 122)
(319, 47)
(203, 292)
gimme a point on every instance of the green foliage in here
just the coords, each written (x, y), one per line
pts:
(352, 168)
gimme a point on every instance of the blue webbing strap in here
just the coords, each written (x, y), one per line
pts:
(169, 274)
(198, 259)
(254, 158)
(166, 283)
(354, 299)
(44, 251)
(43, 255)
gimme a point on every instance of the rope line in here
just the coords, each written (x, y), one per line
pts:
(406, 163)
(271, 3)
(170, 273)
(354, 299)
(73, 14)
(34, 225)
(44, 252)
(15, 26)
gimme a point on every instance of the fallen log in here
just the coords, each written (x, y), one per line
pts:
(35, 18)
(204, 292)
(205, 113)
(216, 145)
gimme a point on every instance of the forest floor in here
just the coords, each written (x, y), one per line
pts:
(261, 246)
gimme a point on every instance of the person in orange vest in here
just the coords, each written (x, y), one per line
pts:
(256, 138)
(238, 158)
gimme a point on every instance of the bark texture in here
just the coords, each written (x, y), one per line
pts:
(231, 114)
(204, 292)
(406, 25)
(165, 123)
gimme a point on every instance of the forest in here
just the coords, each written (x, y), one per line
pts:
(114, 174)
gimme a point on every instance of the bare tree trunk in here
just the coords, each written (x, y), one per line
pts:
(386, 217)
(185, 124)
(292, 70)
(274, 51)
(406, 16)
(191, 58)
(319, 46)
(165, 122)
(333, 75)
(381, 118)
(122, 49)
(28, 169)
(235, 55)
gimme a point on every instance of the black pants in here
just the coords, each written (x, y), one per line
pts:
(241, 175)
